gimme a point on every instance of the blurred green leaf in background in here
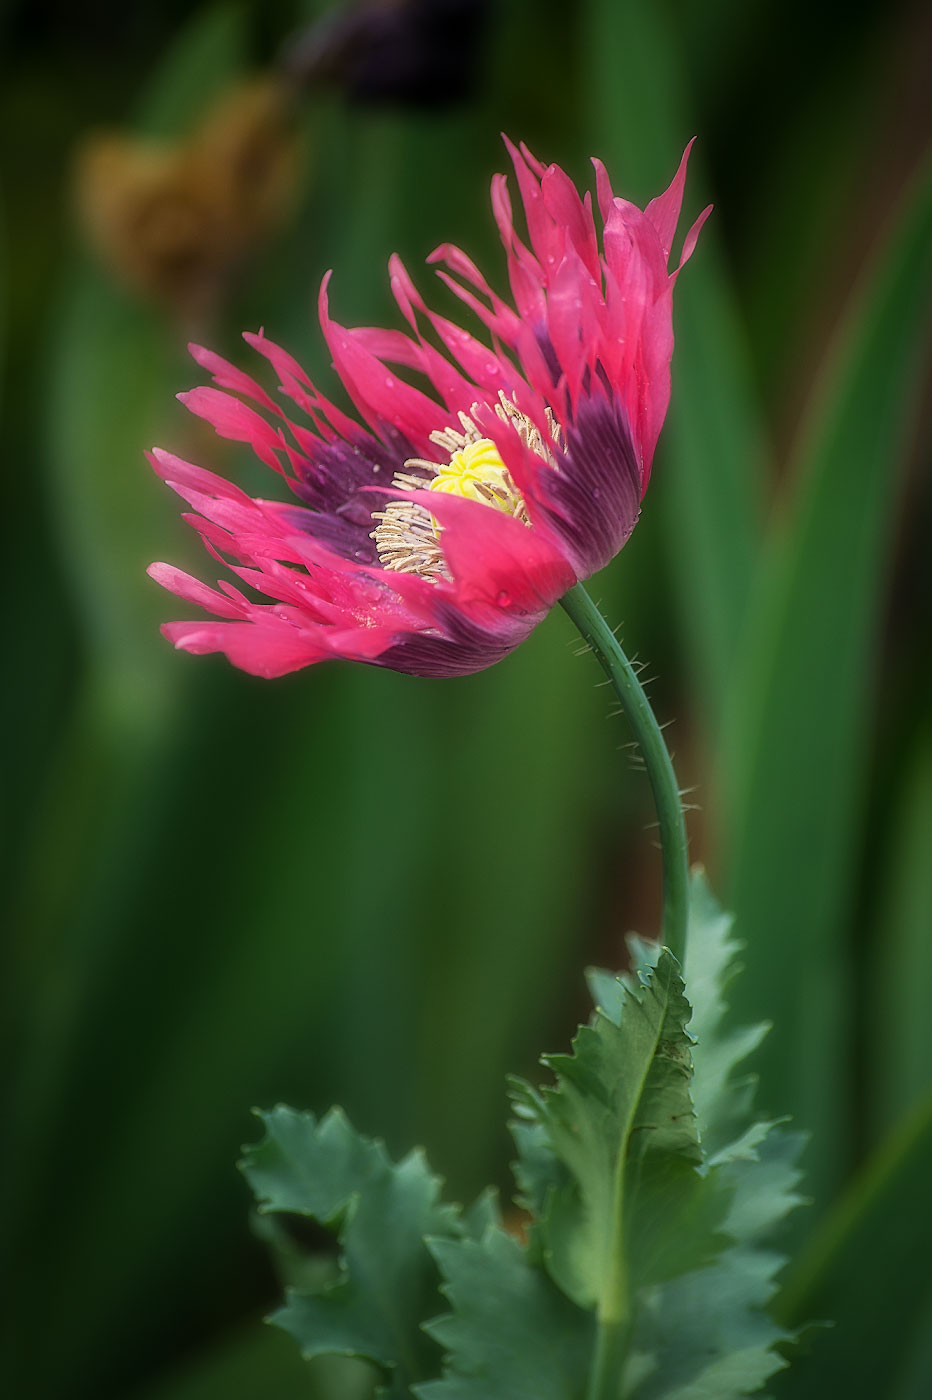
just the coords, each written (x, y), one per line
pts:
(209, 899)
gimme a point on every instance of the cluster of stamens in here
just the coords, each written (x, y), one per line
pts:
(407, 537)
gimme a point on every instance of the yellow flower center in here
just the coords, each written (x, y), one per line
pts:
(478, 473)
(407, 536)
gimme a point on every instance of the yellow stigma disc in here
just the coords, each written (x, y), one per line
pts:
(477, 472)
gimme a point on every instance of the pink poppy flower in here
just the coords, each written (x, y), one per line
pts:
(435, 534)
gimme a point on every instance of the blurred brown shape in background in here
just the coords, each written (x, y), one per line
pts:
(176, 221)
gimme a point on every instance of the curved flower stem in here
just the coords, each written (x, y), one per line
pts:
(630, 692)
(614, 1311)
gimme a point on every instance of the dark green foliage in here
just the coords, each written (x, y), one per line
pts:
(511, 1332)
(884, 1217)
(352, 886)
(623, 1097)
(386, 1285)
(626, 1199)
(704, 1185)
(797, 753)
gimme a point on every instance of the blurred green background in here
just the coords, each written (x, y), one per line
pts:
(351, 886)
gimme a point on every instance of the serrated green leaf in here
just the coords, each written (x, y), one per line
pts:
(706, 1336)
(481, 1215)
(512, 1332)
(758, 1158)
(621, 1122)
(538, 1171)
(762, 1168)
(607, 989)
(380, 1212)
(721, 1094)
(628, 1206)
(702, 1204)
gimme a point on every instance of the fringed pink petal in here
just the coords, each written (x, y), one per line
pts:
(692, 238)
(656, 353)
(291, 588)
(664, 211)
(525, 275)
(193, 591)
(536, 165)
(381, 397)
(404, 291)
(480, 365)
(545, 235)
(266, 649)
(300, 389)
(497, 563)
(569, 212)
(572, 321)
(283, 363)
(630, 237)
(524, 465)
(399, 349)
(603, 187)
(174, 470)
(502, 319)
(391, 347)
(508, 329)
(589, 340)
(235, 420)
(227, 376)
(463, 266)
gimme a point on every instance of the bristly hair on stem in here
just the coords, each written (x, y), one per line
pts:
(620, 672)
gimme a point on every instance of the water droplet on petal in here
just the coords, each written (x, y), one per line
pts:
(503, 599)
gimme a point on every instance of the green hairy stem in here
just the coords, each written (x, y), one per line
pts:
(614, 1310)
(636, 706)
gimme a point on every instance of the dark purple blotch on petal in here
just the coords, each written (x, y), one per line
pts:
(346, 537)
(336, 484)
(340, 468)
(462, 648)
(551, 359)
(596, 490)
